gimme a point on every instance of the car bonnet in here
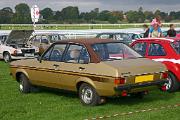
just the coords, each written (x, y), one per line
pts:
(19, 36)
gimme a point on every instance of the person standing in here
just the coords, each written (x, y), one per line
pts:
(155, 30)
(171, 32)
(146, 29)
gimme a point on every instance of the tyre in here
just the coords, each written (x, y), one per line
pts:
(172, 85)
(88, 95)
(24, 84)
(7, 57)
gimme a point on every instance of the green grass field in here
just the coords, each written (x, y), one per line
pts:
(58, 105)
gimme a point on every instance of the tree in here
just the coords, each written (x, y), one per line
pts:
(47, 13)
(132, 16)
(22, 14)
(149, 15)
(70, 14)
(6, 15)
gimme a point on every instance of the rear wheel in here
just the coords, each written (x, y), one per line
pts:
(88, 95)
(7, 57)
(172, 85)
(24, 84)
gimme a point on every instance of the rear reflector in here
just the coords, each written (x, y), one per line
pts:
(124, 93)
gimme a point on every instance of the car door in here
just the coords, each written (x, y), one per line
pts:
(48, 71)
(75, 64)
(156, 51)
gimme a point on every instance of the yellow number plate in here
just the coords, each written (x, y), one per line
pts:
(144, 78)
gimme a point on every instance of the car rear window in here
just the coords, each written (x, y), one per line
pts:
(176, 46)
(114, 51)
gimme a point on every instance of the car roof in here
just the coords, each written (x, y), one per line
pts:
(158, 39)
(87, 41)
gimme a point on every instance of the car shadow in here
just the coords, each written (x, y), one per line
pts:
(149, 98)
(130, 100)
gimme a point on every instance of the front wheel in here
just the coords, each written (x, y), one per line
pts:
(88, 95)
(173, 84)
(7, 57)
(24, 84)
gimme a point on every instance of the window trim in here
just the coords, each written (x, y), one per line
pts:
(52, 47)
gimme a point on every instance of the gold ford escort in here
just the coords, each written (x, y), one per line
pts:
(94, 68)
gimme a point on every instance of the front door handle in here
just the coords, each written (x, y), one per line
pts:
(55, 65)
(81, 68)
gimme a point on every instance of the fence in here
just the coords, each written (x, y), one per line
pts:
(75, 26)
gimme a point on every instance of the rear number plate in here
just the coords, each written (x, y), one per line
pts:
(144, 78)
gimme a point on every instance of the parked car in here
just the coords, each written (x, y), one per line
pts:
(165, 50)
(17, 47)
(44, 40)
(94, 68)
(124, 37)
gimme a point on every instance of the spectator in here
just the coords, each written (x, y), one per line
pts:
(155, 29)
(171, 32)
(146, 29)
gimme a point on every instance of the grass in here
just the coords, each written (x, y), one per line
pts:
(59, 105)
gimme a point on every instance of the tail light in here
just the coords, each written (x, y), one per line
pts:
(165, 75)
(15, 52)
(119, 81)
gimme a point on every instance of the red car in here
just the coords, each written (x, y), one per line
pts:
(165, 50)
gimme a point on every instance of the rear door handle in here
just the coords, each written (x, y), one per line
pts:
(81, 68)
(55, 65)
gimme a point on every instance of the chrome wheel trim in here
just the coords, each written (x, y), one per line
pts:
(6, 58)
(21, 86)
(87, 95)
(169, 84)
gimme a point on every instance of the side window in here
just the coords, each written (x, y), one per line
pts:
(37, 39)
(140, 48)
(156, 49)
(77, 54)
(44, 40)
(55, 53)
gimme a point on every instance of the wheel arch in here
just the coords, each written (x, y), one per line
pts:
(174, 69)
(82, 80)
(19, 72)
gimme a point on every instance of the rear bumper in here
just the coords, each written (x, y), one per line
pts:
(140, 85)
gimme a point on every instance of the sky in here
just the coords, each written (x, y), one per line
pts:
(87, 5)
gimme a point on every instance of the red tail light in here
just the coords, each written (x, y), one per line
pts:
(119, 81)
(15, 52)
(164, 75)
(124, 93)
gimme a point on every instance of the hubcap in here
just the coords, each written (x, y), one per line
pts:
(21, 86)
(6, 58)
(168, 85)
(87, 95)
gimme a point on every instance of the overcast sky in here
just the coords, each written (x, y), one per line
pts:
(87, 5)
